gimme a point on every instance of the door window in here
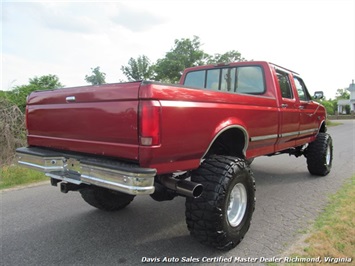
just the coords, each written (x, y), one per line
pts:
(301, 89)
(285, 85)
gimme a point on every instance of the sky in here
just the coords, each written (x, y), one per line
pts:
(315, 38)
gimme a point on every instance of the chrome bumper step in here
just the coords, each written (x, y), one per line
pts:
(81, 169)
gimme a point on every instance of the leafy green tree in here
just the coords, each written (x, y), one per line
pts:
(342, 94)
(97, 77)
(19, 94)
(230, 56)
(329, 106)
(138, 69)
(47, 82)
(2, 94)
(185, 53)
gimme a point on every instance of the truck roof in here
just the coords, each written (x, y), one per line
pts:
(231, 64)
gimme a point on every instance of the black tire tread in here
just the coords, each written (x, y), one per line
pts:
(203, 215)
(316, 153)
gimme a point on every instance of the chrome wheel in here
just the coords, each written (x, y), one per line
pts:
(237, 205)
(328, 156)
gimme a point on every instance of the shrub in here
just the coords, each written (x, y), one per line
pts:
(12, 130)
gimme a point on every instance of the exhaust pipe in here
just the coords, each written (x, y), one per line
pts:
(182, 187)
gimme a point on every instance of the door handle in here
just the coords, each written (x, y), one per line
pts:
(301, 107)
(284, 105)
(70, 99)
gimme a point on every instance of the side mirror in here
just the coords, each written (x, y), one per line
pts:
(318, 95)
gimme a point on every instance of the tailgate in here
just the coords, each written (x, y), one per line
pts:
(93, 119)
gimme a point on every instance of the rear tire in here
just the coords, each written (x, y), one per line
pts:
(222, 215)
(105, 199)
(320, 155)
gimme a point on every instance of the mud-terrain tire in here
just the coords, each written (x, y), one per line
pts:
(105, 199)
(320, 155)
(222, 215)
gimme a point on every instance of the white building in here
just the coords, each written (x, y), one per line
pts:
(351, 101)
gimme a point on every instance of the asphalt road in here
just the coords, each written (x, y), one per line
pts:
(41, 226)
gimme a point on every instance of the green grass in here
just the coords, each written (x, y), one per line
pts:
(11, 176)
(331, 123)
(334, 230)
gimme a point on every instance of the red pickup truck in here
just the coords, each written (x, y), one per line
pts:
(196, 139)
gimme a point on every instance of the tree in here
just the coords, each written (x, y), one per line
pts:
(230, 56)
(329, 106)
(47, 82)
(342, 94)
(138, 69)
(97, 77)
(19, 94)
(185, 53)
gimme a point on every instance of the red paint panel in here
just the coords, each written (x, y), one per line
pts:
(101, 120)
(191, 118)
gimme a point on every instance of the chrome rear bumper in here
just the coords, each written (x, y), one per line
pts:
(81, 169)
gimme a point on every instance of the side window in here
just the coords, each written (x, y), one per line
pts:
(212, 80)
(285, 86)
(195, 79)
(241, 79)
(228, 79)
(250, 80)
(301, 89)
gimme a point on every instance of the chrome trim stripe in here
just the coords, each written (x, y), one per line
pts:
(283, 135)
(312, 130)
(266, 137)
(289, 134)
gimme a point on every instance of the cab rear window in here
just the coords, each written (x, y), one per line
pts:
(242, 79)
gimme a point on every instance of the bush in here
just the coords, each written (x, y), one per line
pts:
(12, 130)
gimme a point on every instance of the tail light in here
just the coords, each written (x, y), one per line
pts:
(149, 121)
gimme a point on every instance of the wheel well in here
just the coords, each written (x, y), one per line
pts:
(323, 128)
(231, 143)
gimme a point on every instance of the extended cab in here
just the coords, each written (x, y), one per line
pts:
(196, 139)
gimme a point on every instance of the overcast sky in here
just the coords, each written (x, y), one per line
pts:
(68, 38)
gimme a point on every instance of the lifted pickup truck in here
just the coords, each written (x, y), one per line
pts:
(196, 139)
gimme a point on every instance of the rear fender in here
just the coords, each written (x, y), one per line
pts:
(230, 129)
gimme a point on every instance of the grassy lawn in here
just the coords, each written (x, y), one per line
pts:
(332, 123)
(333, 235)
(11, 176)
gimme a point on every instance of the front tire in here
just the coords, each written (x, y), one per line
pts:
(320, 155)
(105, 199)
(221, 216)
